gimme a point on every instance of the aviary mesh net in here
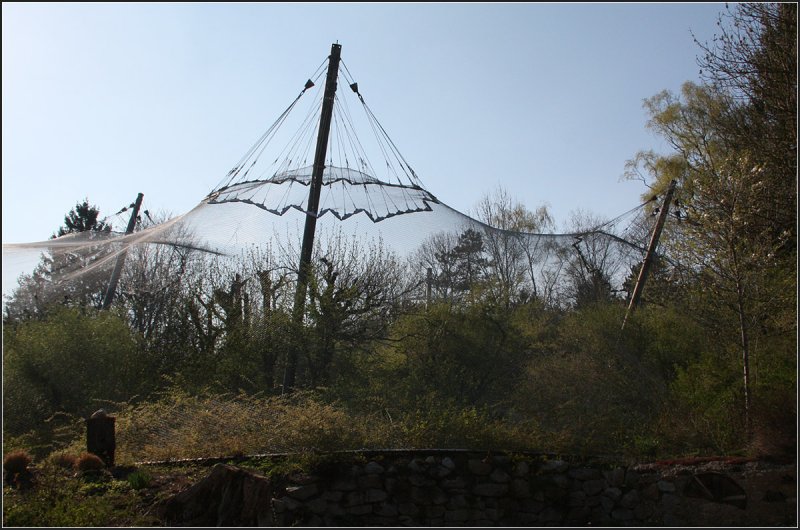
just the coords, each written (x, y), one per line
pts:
(371, 202)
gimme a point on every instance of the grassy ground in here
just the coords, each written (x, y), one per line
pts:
(54, 496)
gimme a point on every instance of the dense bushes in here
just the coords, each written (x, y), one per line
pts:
(70, 362)
(465, 375)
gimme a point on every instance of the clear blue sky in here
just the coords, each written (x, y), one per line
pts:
(107, 100)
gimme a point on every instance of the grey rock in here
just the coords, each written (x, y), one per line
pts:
(490, 490)
(553, 466)
(560, 481)
(302, 493)
(665, 486)
(522, 469)
(579, 514)
(434, 511)
(670, 502)
(594, 500)
(455, 483)
(577, 498)
(456, 515)
(531, 506)
(593, 487)
(318, 505)
(520, 488)
(621, 514)
(651, 492)
(643, 511)
(355, 498)
(416, 465)
(361, 509)
(386, 510)
(333, 495)
(405, 520)
(630, 499)
(500, 476)
(615, 477)
(370, 481)
(439, 471)
(375, 495)
(585, 473)
(479, 467)
(600, 516)
(373, 468)
(551, 515)
(457, 502)
(632, 478)
(615, 494)
(417, 480)
(344, 485)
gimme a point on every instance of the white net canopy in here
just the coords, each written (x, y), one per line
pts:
(262, 203)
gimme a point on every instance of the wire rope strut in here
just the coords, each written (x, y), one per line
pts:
(304, 267)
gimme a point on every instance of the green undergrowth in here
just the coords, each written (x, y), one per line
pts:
(58, 497)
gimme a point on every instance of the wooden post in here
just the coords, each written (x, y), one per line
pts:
(112, 284)
(100, 436)
(648, 257)
(304, 268)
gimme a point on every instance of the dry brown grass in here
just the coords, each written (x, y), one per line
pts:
(89, 462)
(180, 426)
(16, 463)
(63, 459)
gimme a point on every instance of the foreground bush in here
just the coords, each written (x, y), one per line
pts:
(15, 464)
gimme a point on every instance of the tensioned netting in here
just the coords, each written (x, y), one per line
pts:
(371, 197)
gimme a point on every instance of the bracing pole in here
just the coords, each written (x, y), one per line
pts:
(648, 257)
(313, 207)
(112, 284)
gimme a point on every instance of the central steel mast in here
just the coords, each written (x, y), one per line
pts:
(304, 268)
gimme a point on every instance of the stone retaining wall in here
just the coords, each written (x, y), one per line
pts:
(464, 488)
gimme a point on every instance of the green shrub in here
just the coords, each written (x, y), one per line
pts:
(67, 363)
(139, 479)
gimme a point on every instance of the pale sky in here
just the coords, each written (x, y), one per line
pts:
(103, 101)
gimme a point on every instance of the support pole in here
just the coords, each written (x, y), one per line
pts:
(428, 287)
(648, 257)
(112, 284)
(313, 207)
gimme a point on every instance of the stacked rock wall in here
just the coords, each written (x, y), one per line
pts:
(479, 489)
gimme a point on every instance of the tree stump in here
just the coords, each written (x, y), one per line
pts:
(228, 496)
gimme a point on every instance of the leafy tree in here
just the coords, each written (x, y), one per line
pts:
(82, 218)
(735, 149)
(513, 254)
(354, 295)
(590, 262)
(66, 275)
(458, 263)
(754, 61)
